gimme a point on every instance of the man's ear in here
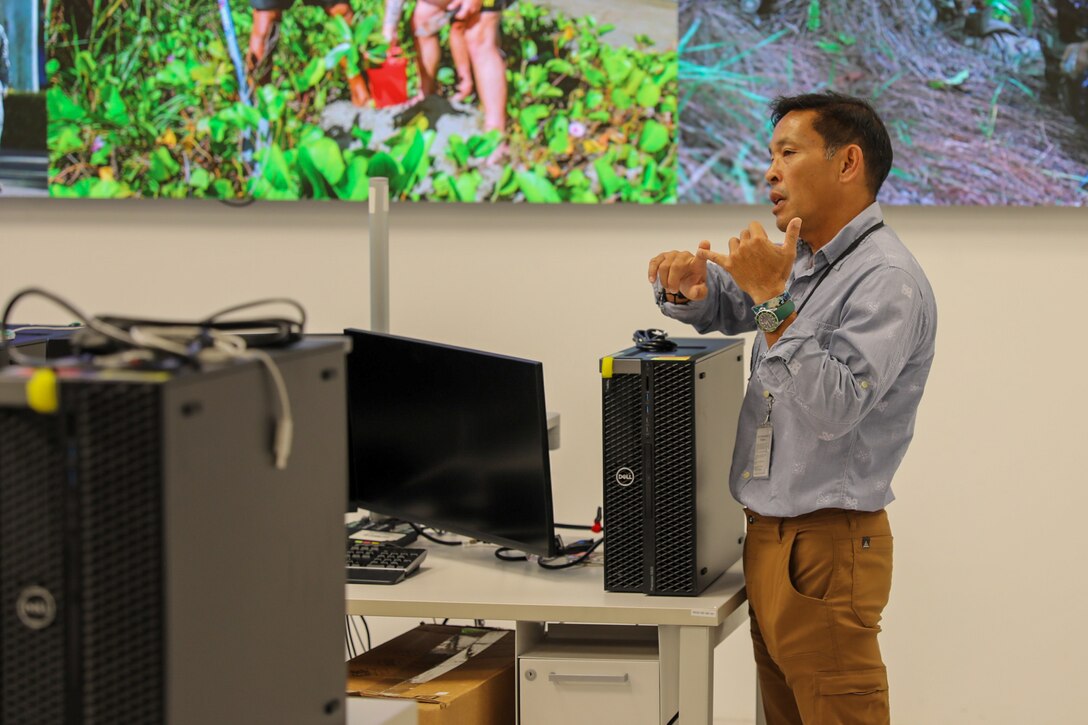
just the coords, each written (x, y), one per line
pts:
(851, 163)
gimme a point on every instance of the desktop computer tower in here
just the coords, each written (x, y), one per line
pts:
(669, 423)
(155, 565)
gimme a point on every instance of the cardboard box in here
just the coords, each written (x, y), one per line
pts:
(458, 675)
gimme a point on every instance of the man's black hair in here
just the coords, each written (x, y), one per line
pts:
(842, 120)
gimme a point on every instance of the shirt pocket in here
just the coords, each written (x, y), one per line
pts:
(824, 332)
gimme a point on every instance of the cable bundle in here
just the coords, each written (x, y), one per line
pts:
(125, 343)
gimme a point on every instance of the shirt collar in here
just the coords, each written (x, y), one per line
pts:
(849, 233)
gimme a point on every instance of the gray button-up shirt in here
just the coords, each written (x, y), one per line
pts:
(845, 378)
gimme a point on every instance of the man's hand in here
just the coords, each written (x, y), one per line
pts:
(466, 8)
(758, 266)
(681, 272)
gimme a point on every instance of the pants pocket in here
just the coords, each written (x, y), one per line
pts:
(872, 578)
(811, 564)
(858, 697)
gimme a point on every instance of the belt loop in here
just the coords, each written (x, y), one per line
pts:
(781, 521)
(852, 517)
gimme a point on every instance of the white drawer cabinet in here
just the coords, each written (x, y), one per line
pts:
(591, 673)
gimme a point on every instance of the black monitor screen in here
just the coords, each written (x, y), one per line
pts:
(451, 438)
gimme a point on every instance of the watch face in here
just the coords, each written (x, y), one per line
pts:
(767, 320)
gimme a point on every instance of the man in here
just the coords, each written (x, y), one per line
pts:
(267, 16)
(847, 322)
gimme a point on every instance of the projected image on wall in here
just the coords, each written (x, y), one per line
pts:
(452, 100)
(23, 157)
(986, 100)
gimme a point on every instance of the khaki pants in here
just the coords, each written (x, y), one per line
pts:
(817, 585)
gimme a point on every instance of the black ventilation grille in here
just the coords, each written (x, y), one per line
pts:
(31, 555)
(674, 478)
(118, 439)
(623, 505)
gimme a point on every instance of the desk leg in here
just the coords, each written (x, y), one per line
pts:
(697, 675)
(761, 719)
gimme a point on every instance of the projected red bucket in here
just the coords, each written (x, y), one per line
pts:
(389, 81)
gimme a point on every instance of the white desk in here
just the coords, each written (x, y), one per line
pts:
(470, 583)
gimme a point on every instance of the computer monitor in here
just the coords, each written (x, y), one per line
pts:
(450, 438)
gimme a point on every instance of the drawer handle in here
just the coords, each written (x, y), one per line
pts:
(593, 679)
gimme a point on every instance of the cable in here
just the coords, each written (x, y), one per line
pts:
(653, 340)
(194, 343)
(367, 628)
(24, 328)
(355, 628)
(583, 547)
(500, 554)
(257, 303)
(595, 528)
(573, 562)
(348, 644)
(106, 330)
(445, 542)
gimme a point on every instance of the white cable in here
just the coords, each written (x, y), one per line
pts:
(157, 338)
(24, 328)
(235, 346)
(179, 340)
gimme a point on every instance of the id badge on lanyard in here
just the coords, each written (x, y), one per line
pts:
(761, 466)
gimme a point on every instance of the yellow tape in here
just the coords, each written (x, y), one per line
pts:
(41, 391)
(606, 367)
(673, 357)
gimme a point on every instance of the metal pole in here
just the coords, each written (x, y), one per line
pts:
(379, 254)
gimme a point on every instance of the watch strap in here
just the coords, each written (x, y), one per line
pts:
(784, 310)
(775, 304)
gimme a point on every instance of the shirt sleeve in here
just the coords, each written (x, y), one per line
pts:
(724, 309)
(834, 387)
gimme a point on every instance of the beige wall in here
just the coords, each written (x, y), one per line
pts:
(985, 624)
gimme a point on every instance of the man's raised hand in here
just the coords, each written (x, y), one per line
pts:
(682, 272)
(758, 266)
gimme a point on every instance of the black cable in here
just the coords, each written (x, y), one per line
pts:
(419, 530)
(596, 527)
(116, 329)
(355, 628)
(500, 554)
(574, 562)
(64, 304)
(653, 340)
(366, 626)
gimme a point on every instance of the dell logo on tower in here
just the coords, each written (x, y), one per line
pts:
(36, 607)
(625, 476)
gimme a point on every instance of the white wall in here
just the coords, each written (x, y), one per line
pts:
(985, 623)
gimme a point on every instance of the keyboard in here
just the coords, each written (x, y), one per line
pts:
(379, 562)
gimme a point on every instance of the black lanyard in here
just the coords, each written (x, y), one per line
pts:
(844, 255)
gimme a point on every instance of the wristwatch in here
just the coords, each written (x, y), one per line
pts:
(771, 314)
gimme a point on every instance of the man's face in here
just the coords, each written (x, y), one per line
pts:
(802, 180)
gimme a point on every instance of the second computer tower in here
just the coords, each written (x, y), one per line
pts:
(155, 565)
(669, 423)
